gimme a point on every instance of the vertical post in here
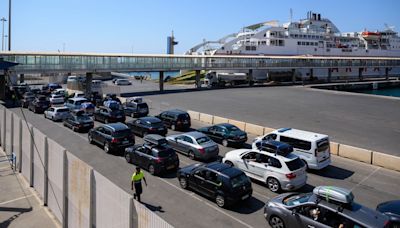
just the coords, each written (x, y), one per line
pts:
(251, 82)
(197, 79)
(161, 81)
(360, 76)
(21, 78)
(46, 172)
(88, 89)
(329, 74)
(20, 146)
(4, 143)
(65, 190)
(31, 161)
(133, 218)
(293, 76)
(2, 86)
(387, 73)
(92, 197)
(12, 134)
(311, 74)
(9, 25)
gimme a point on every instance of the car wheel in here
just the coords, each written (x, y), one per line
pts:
(191, 155)
(152, 170)
(128, 158)
(220, 200)
(173, 127)
(273, 184)
(225, 142)
(34, 110)
(133, 115)
(229, 163)
(45, 116)
(107, 148)
(90, 139)
(52, 118)
(183, 182)
(276, 222)
(106, 121)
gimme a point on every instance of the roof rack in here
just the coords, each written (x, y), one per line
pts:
(334, 194)
(284, 129)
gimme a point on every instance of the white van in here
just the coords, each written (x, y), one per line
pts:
(312, 148)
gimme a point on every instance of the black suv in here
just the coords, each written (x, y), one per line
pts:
(113, 137)
(221, 182)
(108, 115)
(39, 104)
(147, 125)
(78, 121)
(175, 119)
(225, 133)
(154, 155)
(134, 109)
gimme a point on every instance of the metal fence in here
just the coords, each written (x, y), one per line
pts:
(78, 195)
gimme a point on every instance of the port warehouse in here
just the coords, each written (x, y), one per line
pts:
(70, 188)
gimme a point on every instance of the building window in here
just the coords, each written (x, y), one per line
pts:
(298, 43)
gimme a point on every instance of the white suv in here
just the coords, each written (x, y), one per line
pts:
(280, 170)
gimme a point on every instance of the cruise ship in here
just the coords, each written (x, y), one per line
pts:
(313, 36)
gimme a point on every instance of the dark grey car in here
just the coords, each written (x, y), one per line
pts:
(326, 206)
(194, 144)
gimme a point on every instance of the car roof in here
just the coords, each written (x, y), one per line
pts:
(150, 119)
(116, 126)
(60, 107)
(225, 169)
(78, 99)
(390, 206)
(176, 111)
(194, 134)
(225, 125)
(288, 158)
(295, 133)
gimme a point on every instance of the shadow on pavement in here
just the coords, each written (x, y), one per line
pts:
(248, 206)
(21, 211)
(333, 172)
(153, 208)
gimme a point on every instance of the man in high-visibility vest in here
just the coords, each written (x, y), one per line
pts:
(137, 182)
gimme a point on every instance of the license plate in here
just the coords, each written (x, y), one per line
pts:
(245, 197)
(160, 128)
(119, 116)
(171, 167)
(242, 137)
(125, 142)
(86, 125)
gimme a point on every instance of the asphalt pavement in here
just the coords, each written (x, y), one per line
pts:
(181, 208)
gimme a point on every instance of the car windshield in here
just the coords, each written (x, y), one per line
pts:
(57, 96)
(295, 164)
(239, 180)
(122, 133)
(153, 122)
(116, 111)
(142, 105)
(202, 140)
(165, 153)
(297, 199)
(232, 128)
(83, 118)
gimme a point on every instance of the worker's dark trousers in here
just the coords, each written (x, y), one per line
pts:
(138, 190)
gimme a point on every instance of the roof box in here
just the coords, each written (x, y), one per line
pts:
(335, 194)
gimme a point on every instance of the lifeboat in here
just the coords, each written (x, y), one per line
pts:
(371, 35)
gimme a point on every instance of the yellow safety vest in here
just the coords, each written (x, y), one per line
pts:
(137, 177)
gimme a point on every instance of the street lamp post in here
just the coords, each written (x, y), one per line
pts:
(2, 34)
(9, 25)
(5, 43)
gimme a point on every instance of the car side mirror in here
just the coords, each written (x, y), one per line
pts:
(294, 211)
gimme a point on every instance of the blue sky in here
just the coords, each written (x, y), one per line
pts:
(142, 26)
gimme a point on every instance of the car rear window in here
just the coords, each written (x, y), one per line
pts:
(63, 110)
(165, 153)
(122, 133)
(322, 145)
(142, 105)
(202, 140)
(183, 116)
(295, 164)
(232, 128)
(239, 180)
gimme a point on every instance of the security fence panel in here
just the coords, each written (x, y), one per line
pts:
(55, 184)
(2, 125)
(78, 192)
(17, 138)
(147, 219)
(38, 160)
(8, 140)
(26, 150)
(111, 203)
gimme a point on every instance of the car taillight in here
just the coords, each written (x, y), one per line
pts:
(178, 122)
(291, 175)
(202, 150)
(152, 129)
(315, 153)
(114, 140)
(158, 160)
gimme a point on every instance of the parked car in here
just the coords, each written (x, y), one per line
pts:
(392, 210)
(278, 171)
(108, 115)
(155, 155)
(56, 99)
(78, 121)
(27, 98)
(147, 125)
(313, 148)
(225, 133)
(135, 108)
(225, 184)
(88, 108)
(53, 86)
(122, 82)
(57, 113)
(113, 137)
(96, 99)
(175, 119)
(326, 206)
(75, 103)
(194, 144)
(60, 92)
(39, 104)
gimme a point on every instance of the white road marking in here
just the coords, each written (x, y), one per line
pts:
(261, 195)
(207, 203)
(365, 178)
(16, 199)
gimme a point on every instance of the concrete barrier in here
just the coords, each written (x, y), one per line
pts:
(385, 160)
(254, 129)
(219, 120)
(206, 118)
(334, 148)
(355, 153)
(194, 115)
(268, 130)
(239, 124)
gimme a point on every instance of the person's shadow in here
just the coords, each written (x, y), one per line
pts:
(6, 223)
(153, 208)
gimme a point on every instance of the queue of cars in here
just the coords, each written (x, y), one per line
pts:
(279, 159)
